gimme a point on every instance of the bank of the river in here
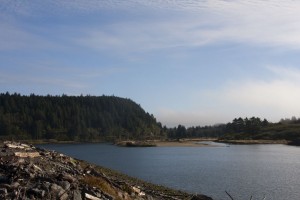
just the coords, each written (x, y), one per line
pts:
(253, 141)
(27, 172)
(187, 142)
(196, 142)
(184, 143)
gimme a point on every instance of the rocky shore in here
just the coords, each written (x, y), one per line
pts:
(27, 172)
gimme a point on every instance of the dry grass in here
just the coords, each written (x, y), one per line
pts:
(149, 188)
(101, 184)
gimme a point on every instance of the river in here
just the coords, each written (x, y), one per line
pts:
(271, 171)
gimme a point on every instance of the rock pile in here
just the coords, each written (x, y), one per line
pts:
(27, 172)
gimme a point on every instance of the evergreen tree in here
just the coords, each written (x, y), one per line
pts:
(72, 118)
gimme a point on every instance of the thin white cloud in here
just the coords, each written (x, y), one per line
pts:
(263, 23)
(148, 36)
(290, 74)
(189, 23)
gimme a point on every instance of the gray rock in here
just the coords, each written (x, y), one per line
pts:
(64, 196)
(58, 191)
(3, 191)
(15, 185)
(21, 161)
(67, 177)
(77, 195)
(150, 198)
(65, 185)
(55, 187)
(7, 186)
(200, 197)
(37, 192)
(46, 185)
(91, 197)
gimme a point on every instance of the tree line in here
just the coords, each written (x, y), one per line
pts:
(251, 125)
(256, 129)
(91, 118)
(196, 131)
(77, 118)
(253, 128)
(238, 126)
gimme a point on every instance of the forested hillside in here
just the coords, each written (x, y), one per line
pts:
(256, 129)
(82, 118)
(252, 128)
(91, 118)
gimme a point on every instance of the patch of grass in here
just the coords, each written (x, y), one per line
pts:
(102, 184)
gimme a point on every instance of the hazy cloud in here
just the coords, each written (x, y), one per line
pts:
(273, 99)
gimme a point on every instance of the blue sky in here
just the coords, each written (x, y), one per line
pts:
(193, 62)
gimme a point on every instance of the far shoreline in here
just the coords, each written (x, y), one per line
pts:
(250, 142)
(193, 142)
(185, 142)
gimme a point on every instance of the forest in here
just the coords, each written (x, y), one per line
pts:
(257, 129)
(252, 128)
(74, 118)
(110, 118)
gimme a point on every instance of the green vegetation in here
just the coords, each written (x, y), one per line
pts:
(195, 132)
(257, 129)
(110, 118)
(70, 118)
(245, 129)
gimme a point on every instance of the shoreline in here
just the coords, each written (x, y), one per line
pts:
(37, 173)
(196, 142)
(249, 142)
(185, 142)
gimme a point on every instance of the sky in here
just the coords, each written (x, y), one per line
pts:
(192, 62)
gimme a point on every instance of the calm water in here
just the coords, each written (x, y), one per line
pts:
(242, 170)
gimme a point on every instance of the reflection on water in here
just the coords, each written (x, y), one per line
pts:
(242, 170)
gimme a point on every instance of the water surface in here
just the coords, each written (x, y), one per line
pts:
(242, 170)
